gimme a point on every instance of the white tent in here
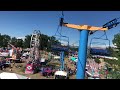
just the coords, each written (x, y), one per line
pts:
(56, 57)
(6, 75)
(62, 73)
(42, 60)
(4, 54)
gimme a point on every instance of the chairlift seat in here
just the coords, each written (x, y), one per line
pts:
(60, 48)
(95, 51)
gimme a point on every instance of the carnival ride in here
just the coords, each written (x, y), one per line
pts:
(34, 58)
(85, 31)
(61, 46)
(100, 47)
(14, 53)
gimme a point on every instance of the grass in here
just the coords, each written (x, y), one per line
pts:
(21, 70)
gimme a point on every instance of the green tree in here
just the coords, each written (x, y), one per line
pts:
(52, 41)
(1, 40)
(97, 60)
(19, 43)
(47, 41)
(44, 42)
(116, 42)
(26, 43)
(14, 41)
(5, 40)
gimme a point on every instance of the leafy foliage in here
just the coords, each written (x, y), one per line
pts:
(116, 40)
(97, 60)
(26, 43)
(4, 39)
(45, 41)
(114, 75)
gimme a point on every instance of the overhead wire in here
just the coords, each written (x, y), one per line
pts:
(59, 30)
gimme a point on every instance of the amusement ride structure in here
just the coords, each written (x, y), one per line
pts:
(84, 31)
(34, 45)
(34, 57)
(62, 45)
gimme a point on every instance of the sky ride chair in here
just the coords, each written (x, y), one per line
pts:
(98, 49)
(61, 45)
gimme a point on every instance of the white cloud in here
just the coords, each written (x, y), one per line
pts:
(64, 42)
(21, 38)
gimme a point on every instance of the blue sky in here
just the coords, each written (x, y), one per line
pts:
(21, 23)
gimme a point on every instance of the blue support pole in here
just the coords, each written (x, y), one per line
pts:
(62, 59)
(82, 54)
